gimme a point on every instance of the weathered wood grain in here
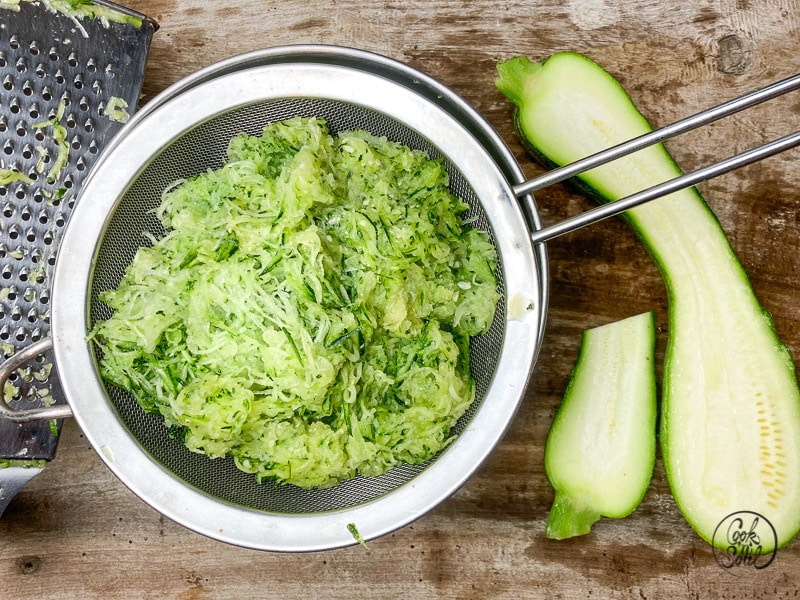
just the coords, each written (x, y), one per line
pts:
(77, 532)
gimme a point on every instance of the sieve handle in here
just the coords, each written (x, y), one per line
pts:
(673, 185)
(7, 368)
(659, 135)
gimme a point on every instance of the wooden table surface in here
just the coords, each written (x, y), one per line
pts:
(76, 532)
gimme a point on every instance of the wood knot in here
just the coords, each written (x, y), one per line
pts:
(736, 55)
(28, 564)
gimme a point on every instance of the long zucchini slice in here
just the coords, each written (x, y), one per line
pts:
(601, 447)
(730, 413)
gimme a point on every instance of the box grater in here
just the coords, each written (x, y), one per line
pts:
(68, 83)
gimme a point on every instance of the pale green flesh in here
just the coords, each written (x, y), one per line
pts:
(601, 447)
(730, 428)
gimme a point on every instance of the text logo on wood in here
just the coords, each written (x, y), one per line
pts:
(744, 536)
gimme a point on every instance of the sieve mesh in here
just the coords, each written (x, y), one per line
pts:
(201, 148)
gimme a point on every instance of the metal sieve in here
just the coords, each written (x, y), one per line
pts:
(185, 131)
(189, 133)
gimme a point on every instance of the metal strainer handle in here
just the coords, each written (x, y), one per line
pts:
(8, 367)
(692, 122)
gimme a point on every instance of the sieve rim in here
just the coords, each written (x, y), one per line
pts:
(102, 427)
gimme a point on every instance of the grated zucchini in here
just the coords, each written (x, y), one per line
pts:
(309, 310)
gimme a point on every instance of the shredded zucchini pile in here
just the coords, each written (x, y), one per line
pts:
(308, 311)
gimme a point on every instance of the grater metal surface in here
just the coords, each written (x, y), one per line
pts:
(63, 70)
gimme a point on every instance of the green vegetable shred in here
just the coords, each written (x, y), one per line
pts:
(309, 309)
(79, 9)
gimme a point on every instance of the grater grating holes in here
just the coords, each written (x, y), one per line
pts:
(33, 91)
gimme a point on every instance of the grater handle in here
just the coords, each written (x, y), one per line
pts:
(12, 480)
(7, 368)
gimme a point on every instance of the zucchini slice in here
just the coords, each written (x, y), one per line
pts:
(601, 447)
(730, 413)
